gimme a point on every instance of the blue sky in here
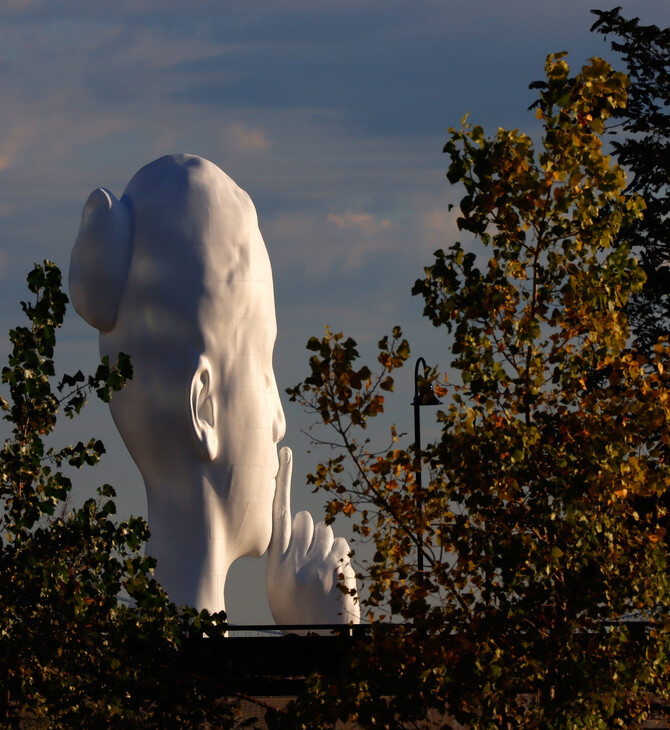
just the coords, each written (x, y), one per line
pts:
(331, 114)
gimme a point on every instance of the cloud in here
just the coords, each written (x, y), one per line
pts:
(246, 138)
(438, 226)
(364, 222)
(12, 144)
(301, 242)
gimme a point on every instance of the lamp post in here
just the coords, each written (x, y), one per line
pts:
(424, 396)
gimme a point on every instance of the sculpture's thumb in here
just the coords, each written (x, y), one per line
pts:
(281, 507)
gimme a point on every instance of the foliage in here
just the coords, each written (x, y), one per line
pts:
(642, 146)
(536, 554)
(73, 654)
(346, 398)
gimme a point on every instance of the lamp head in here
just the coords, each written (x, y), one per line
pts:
(424, 394)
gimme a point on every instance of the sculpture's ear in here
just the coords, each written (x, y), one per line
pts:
(100, 259)
(204, 410)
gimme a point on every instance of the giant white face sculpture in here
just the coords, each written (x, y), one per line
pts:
(176, 275)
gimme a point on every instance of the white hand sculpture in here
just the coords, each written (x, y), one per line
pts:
(306, 565)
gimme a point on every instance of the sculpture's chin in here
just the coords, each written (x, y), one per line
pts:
(259, 548)
(257, 552)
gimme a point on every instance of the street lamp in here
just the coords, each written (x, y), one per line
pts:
(424, 396)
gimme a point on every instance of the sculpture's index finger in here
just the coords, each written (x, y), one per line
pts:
(281, 505)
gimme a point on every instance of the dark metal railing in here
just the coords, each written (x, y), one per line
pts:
(274, 630)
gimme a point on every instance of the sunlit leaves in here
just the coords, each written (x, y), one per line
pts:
(543, 523)
(338, 391)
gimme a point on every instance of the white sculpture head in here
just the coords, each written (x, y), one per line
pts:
(176, 274)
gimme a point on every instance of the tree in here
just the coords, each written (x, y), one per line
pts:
(72, 653)
(642, 146)
(536, 556)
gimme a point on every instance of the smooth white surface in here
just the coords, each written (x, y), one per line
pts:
(176, 274)
(306, 564)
